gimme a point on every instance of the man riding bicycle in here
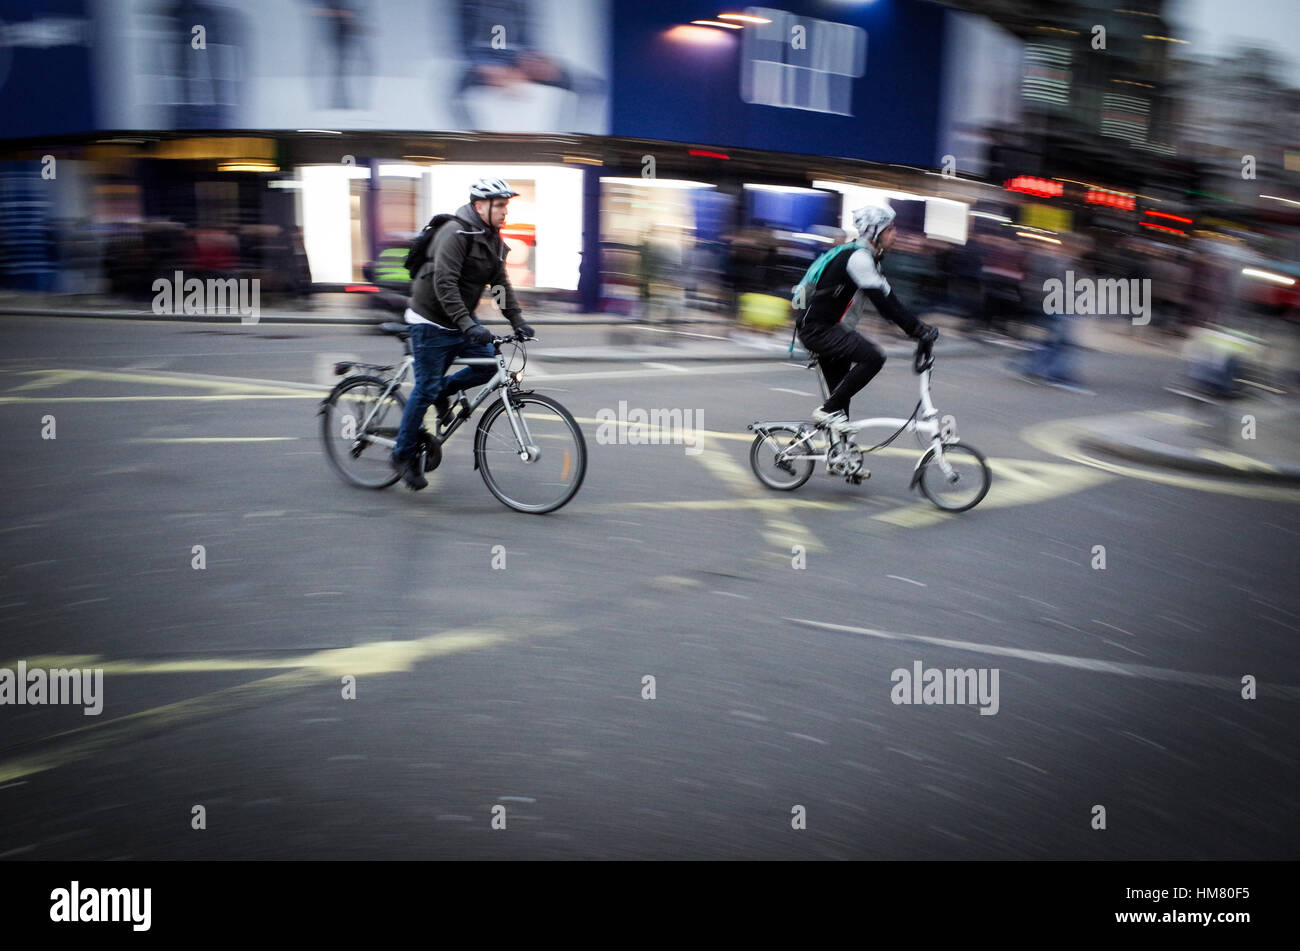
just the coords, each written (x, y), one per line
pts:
(465, 254)
(835, 281)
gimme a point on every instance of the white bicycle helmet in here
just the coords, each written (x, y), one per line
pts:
(871, 220)
(488, 188)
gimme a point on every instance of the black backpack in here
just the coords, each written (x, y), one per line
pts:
(419, 252)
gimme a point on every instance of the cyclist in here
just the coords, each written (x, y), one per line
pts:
(841, 277)
(465, 254)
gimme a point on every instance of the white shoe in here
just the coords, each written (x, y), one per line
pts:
(836, 422)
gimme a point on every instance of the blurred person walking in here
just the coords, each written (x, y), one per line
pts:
(1053, 359)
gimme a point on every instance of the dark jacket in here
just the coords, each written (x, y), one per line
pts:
(829, 301)
(465, 255)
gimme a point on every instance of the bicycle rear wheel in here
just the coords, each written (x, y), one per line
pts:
(786, 475)
(353, 453)
(968, 484)
(557, 461)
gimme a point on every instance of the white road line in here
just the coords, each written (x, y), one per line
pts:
(218, 439)
(782, 389)
(1143, 739)
(1122, 647)
(919, 584)
(1113, 627)
(765, 367)
(1271, 607)
(1168, 675)
(1053, 620)
(1020, 762)
(680, 333)
(805, 736)
(663, 366)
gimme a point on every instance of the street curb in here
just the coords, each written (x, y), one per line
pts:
(956, 348)
(667, 355)
(1151, 452)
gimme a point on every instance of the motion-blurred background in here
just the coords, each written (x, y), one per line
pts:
(668, 161)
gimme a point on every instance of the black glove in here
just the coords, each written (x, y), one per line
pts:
(926, 334)
(525, 332)
(478, 335)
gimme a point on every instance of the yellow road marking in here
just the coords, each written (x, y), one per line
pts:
(118, 376)
(223, 389)
(761, 504)
(1022, 482)
(780, 529)
(314, 670)
(45, 378)
(1166, 417)
(1056, 438)
(1236, 460)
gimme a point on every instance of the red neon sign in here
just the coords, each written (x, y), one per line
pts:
(1163, 214)
(1098, 196)
(1040, 187)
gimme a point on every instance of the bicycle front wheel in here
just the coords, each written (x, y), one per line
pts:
(544, 472)
(965, 488)
(356, 414)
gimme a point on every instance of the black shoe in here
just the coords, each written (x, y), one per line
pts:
(445, 413)
(409, 470)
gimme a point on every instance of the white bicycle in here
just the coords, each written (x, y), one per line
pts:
(954, 475)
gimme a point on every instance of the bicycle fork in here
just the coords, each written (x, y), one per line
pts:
(529, 451)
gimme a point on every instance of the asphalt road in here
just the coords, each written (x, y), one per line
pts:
(520, 692)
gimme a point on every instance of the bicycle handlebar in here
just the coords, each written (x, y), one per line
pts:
(923, 359)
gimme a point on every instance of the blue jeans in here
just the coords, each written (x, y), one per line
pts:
(434, 348)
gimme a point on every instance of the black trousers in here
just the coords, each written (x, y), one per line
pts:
(848, 360)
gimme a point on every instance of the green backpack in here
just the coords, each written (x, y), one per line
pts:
(808, 282)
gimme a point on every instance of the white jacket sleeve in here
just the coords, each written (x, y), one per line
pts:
(864, 272)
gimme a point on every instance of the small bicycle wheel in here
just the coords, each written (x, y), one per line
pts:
(354, 455)
(785, 475)
(557, 461)
(968, 484)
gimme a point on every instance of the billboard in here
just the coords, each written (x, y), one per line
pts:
(45, 67)
(813, 76)
(495, 65)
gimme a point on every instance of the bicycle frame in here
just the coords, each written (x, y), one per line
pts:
(924, 422)
(501, 380)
